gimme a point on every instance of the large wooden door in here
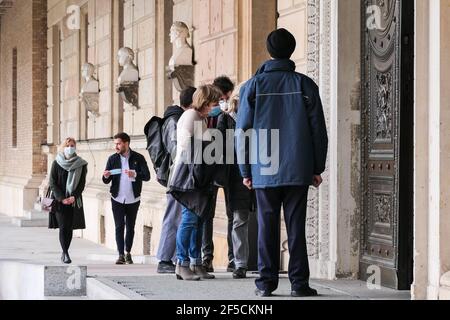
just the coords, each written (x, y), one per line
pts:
(387, 141)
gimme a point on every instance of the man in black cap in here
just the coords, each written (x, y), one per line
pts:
(278, 98)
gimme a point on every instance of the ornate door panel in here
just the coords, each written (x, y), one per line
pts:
(387, 70)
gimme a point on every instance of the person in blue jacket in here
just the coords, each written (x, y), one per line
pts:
(284, 111)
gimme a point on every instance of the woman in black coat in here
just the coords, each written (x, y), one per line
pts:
(67, 181)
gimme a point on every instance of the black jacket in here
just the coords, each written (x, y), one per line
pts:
(191, 185)
(239, 197)
(169, 140)
(57, 182)
(136, 162)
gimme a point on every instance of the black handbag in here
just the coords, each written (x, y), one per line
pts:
(47, 202)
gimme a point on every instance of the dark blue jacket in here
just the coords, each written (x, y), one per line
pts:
(277, 97)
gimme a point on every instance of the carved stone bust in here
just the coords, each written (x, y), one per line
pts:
(91, 84)
(182, 55)
(89, 94)
(130, 72)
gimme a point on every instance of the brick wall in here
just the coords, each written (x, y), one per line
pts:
(17, 30)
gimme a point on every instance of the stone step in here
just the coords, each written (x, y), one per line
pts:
(30, 223)
(35, 214)
(30, 281)
(61, 281)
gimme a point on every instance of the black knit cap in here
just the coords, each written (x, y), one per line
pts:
(281, 44)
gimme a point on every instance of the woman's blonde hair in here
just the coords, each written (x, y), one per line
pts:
(204, 96)
(234, 99)
(66, 142)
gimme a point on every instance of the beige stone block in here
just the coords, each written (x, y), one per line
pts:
(225, 56)
(146, 32)
(146, 62)
(105, 101)
(130, 37)
(139, 9)
(91, 126)
(49, 76)
(204, 18)
(146, 92)
(72, 129)
(71, 88)
(182, 11)
(104, 51)
(207, 62)
(296, 23)
(284, 4)
(300, 2)
(103, 27)
(103, 7)
(127, 120)
(49, 96)
(72, 108)
(91, 34)
(216, 16)
(104, 76)
(228, 13)
(140, 118)
(149, 7)
(127, 13)
(103, 126)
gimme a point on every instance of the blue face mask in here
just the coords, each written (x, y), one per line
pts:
(69, 151)
(214, 112)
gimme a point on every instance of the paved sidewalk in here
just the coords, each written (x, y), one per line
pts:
(41, 246)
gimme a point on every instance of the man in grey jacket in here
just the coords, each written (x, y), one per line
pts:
(172, 215)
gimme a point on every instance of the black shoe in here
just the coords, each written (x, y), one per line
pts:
(128, 259)
(121, 259)
(263, 293)
(166, 267)
(304, 292)
(231, 266)
(65, 258)
(240, 273)
(207, 265)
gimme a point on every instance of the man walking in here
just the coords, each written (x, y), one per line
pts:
(126, 169)
(278, 98)
(172, 217)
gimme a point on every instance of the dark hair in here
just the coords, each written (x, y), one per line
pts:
(186, 96)
(122, 136)
(224, 84)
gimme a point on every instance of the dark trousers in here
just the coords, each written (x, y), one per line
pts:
(124, 216)
(208, 230)
(294, 201)
(64, 216)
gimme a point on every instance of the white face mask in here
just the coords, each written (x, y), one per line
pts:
(69, 151)
(223, 105)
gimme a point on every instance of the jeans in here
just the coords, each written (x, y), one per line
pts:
(189, 239)
(170, 224)
(124, 215)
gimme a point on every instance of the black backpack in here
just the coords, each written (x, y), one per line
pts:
(159, 155)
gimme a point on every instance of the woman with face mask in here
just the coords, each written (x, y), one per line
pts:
(67, 180)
